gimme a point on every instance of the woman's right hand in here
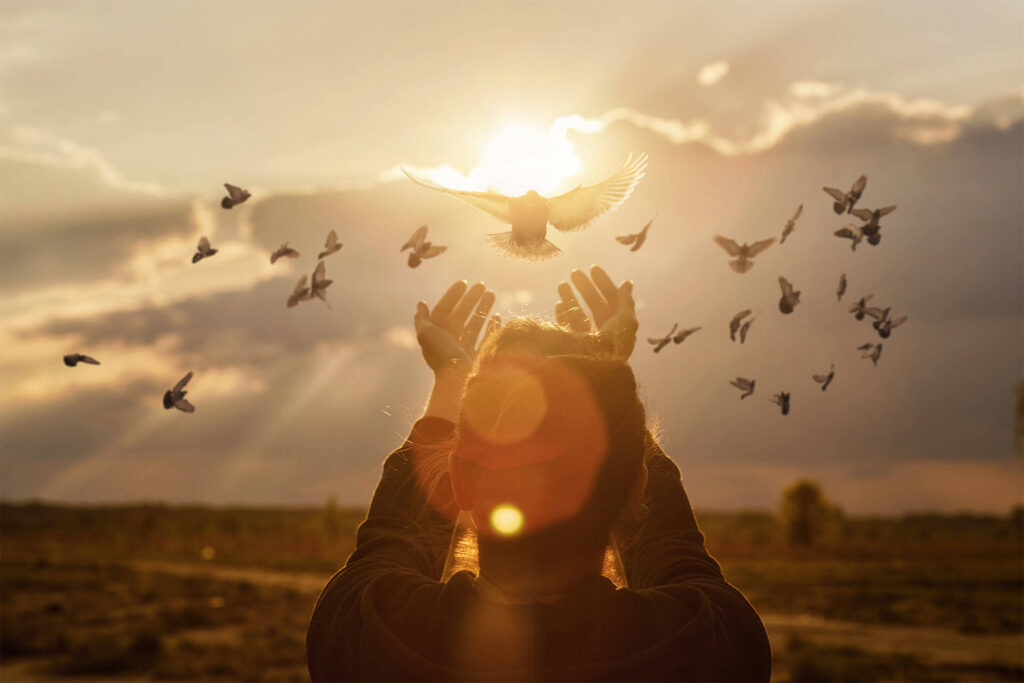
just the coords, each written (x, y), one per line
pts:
(449, 333)
(612, 310)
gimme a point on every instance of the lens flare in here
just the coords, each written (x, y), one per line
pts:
(506, 519)
(521, 158)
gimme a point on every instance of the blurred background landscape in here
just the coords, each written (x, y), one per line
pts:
(141, 543)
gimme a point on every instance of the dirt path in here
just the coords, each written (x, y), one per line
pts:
(937, 645)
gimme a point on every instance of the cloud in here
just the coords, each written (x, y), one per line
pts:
(813, 89)
(712, 73)
(109, 116)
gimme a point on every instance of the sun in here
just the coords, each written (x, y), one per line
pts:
(521, 158)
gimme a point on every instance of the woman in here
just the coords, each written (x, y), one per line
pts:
(539, 438)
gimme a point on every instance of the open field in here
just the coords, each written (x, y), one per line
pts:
(203, 594)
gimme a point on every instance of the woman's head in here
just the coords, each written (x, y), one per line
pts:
(550, 438)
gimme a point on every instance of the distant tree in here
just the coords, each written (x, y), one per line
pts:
(805, 513)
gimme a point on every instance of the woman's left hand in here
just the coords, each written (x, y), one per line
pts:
(449, 334)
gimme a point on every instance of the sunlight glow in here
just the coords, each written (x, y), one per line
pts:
(507, 519)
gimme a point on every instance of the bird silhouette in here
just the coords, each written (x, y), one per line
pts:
(844, 201)
(421, 248)
(825, 380)
(872, 228)
(175, 398)
(860, 309)
(781, 399)
(872, 351)
(236, 195)
(842, 287)
(203, 250)
(852, 233)
(320, 283)
(530, 214)
(734, 324)
(681, 336)
(884, 324)
(661, 342)
(743, 253)
(300, 293)
(636, 239)
(283, 251)
(790, 298)
(73, 359)
(791, 224)
(744, 385)
(744, 329)
(331, 245)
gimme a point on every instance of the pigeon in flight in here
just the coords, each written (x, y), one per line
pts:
(860, 309)
(236, 195)
(852, 233)
(791, 224)
(781, 399)
(203, 250)
(661, 342)
(637, 239)
(844, 201)
(681, 336)
(884, 324)
(175, 398)
(790, 298)
(872, 351)
(300, 293)
(283, 251)
(421, 248)
(842, 287)
(331, 245)
(744, 385)
(871, 228)
(73, 359)
(825, 380)
(318, 287)
(734, 324)
(742, 263)
(745, 329)
(531, 213)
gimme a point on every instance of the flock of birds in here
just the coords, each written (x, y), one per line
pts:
(529, 216)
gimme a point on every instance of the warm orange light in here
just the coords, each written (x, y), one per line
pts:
(507, 520)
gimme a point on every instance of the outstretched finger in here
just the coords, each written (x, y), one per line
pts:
(476, 322)
(465, 307)
(561, 313)
(604, 283)
(574, 313)
(443, 310)
(624, 296)
(493, 325)
(422, 316)
(599, 308)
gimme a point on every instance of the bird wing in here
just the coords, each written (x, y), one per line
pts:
(744, 330)
(92, 361)
(319, 275)
(332, 239)
(575, 209)
(684, 334)
(652, 340)
(729, 245)
(858, 187)
(741, 383)
(758, 247)
(893, 322)
(234, 192)
(182, 382)
(432, 251)
(820, 379)
(416, 240)
(799, 210)
(837, 194)
(874, 312)
(741, 315)
(787, 289)
(183, 405)
(863, 214)
(886, 210)
(627, 239)
(492, 202)
(865, 347)
(204, 244)
(301, 285)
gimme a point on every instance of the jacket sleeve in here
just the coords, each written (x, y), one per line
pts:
(406, 533)
(662, 550)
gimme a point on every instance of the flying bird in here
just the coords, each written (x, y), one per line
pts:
(331, 245)
(300, 293)
(530, 214)
(745, 329)
(884, 324)
(872, 228)
(744, 253)
(791, 224)
(860, 309)
(734, 324)
(421, 248)
(203, 250)
(872, 351)
(236, 195)
(283, 251)
(842, 287)
(790, 298)
(73, 359)
(744, 385)
(175, 398)
(825, 380)
(681, 336)
(852, 233)
(318, 287)
(781, 399)
(661, 342)
(637, 239)
(844, 201)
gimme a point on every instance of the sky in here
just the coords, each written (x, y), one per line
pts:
(120, 121)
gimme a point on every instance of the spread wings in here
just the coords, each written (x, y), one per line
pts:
(575, 209)
(731, 247)
(858, 187)
(787, 288)
(301, 285)
(181, 384)
(433, 251)
(837, 194)
(416, 240)
(757, 247)
(236, 193)
(492, 202)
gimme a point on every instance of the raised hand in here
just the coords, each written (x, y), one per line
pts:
(612, 310)
(449, 334)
